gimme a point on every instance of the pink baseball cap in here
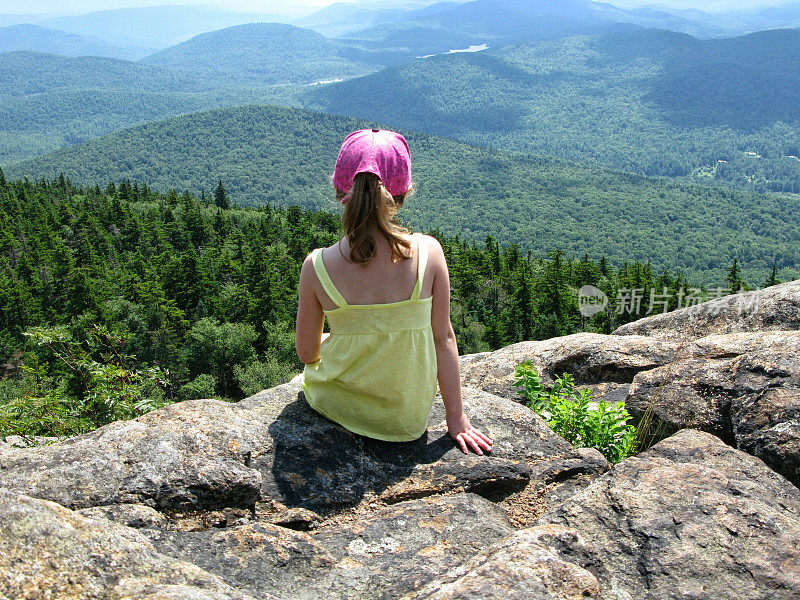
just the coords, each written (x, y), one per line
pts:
(384, 153)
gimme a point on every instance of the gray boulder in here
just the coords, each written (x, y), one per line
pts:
(604, 363)
(690, 518)
(728, 345)
(516, 568)
(48, 551)
(751, 401)
(137, 516)
(775, 307)
(187, 455)
(381, 554)
(317, 464)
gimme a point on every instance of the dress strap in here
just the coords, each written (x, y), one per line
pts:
(325, 280)
(422, 250)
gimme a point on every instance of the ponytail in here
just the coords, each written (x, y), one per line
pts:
(368, 204)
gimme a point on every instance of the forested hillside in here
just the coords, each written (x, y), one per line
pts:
(48, 102)
(285, 156)
(114, 301)
(40, 123)
(260, 54)
(23, 73)
(647, 101)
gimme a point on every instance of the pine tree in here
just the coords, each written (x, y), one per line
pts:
(221, 197)
(2, 178)
(773, 276)
(603, 266)
(734, 277)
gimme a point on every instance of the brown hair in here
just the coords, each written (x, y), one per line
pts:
(368, 204)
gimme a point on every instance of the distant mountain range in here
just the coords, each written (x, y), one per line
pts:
(576, 79)
(42, 39)
(154, 27)
(285, 156)
(492, 22)
(412, 27)
(648, 101)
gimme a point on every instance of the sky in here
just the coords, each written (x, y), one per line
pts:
(307, 6)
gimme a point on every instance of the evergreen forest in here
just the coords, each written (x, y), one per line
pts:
(117, 300)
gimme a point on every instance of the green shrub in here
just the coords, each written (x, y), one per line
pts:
(574, 415)
(259, 375)
(202, 386)
(106, 387)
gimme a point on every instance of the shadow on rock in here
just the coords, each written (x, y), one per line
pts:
(317, 464)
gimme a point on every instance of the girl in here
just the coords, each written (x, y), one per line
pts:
(386, 295)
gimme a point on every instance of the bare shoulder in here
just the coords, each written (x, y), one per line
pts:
(436, 259)
(433, 245)
(308, 274)
(308, 262)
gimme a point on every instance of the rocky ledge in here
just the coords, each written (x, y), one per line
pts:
(266, 499)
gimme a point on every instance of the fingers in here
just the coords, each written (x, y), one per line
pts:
(484, 437)
(476, 440)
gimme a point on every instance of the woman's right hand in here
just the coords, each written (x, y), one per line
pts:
(466, 436)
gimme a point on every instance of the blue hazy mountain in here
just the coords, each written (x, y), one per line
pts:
(341, 18)
(496, 23)
(9, 19)
(153, 26)
(261, 53)
(492, 22)
(344, 17)
(693, 22)
(43, 39)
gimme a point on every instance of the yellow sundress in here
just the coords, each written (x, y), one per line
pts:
(377, 371)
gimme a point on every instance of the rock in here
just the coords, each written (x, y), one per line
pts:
(403, 546)
(765, 416)
(604, 363)
(131, 515)
(689, 518)
(297, 518)
(775, 307)
(734, 344)
(48, 551)
(302, 469)
(259, 557)
(206, 455)
(751, 401)
(134, 591)
(185, 456)
(17, 441)
(693, 393)
(517, 568)
(560, 479)
(379, 555)
(206, 519)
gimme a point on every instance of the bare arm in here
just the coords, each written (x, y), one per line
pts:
(449, 376)
(310, 318)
